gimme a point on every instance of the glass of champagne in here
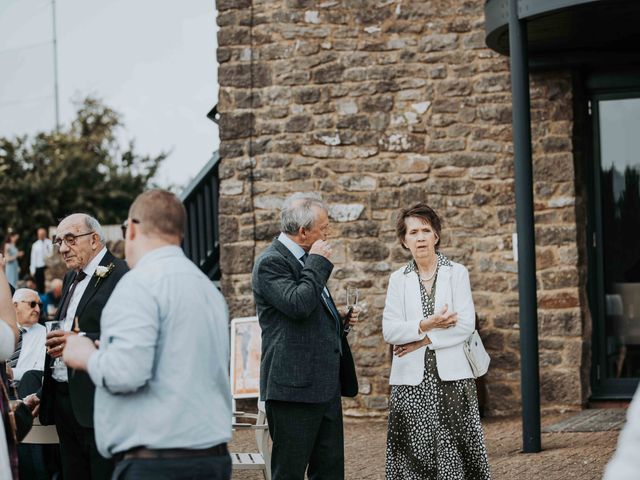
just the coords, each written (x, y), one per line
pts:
(51, 326)
(352, 298)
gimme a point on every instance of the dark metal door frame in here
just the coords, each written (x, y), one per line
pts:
(602, 388)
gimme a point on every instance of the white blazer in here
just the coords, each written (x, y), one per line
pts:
(402, 315)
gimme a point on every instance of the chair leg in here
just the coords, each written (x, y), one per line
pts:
(262, 440)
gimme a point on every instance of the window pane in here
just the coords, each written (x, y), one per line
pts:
(620, 187)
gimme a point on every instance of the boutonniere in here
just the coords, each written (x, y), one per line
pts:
(103, 272)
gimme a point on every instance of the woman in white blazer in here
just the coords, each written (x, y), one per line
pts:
(434, 427)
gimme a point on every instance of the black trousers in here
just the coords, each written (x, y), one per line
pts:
(39, 278)
(190, 468)
(80, 457)
(306, 437)
(31, 382)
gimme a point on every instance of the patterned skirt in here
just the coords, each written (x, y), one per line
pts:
(435, 431)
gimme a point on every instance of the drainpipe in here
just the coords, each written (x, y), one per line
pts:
(529, 375)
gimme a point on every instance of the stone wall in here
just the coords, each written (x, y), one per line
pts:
(379, 105)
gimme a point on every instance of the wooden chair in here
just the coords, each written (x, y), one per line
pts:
(262, 459)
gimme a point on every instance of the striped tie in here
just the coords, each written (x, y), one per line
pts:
(13, 361)
(67, 298)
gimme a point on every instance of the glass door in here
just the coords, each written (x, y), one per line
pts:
(616, 240)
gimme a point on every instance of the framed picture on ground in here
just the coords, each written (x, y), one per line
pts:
(245, 357)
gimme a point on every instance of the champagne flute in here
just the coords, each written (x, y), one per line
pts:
(52, 326)
(352, 298)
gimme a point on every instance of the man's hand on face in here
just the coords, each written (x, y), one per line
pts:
(56, 341)
(322, 248)
(77, 352)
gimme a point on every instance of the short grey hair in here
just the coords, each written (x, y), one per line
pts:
(94, 225)
(22, 293)
(297, 211)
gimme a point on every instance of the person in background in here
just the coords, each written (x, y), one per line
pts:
(28, 357)
(30, 283)
(51, 299)
(11, 255)
(434, 424)
(155, 420)
(306, 362)
(40, 250)
(67, 396)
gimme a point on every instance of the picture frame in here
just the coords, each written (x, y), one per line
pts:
(246, 344)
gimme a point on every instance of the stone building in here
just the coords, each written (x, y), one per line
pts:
(380, 104)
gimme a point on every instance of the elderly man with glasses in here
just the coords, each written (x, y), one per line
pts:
(30, 349)
(67, 395)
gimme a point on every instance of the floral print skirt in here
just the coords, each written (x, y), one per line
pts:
(435, 431)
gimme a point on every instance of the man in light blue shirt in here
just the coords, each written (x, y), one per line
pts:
(163, 404)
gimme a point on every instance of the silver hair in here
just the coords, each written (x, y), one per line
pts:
(297, 211)
(22, 293)
(94, 225)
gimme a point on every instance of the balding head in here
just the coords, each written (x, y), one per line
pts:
(159, 213)
(80, 239)
(157, 219)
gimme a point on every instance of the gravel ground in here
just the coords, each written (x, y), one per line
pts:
(564, 456)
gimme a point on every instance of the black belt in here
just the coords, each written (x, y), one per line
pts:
(147, 453)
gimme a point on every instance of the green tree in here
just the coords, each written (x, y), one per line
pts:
(81, 168)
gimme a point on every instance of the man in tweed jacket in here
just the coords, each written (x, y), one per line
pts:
(306, 361)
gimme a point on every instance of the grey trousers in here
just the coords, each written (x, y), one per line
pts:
(306, 437)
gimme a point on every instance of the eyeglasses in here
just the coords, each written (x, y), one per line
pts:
(32, 303)
(70, 239)
(125, 225)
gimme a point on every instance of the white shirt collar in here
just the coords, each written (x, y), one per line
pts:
(90, 269)
(28, 328)
(292, 246)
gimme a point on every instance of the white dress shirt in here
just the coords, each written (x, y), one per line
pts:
(60, 371)
(32, 351)
(161, 373)
(40, 250)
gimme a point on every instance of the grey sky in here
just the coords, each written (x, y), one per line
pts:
(154, 62)
(619, 143)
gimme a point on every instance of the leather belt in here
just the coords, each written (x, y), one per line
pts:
(147, 453)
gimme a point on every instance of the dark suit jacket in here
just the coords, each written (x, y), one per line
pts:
(81, 388)
(300, 343)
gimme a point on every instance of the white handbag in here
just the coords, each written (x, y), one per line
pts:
(476, 354)
(474, 350)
